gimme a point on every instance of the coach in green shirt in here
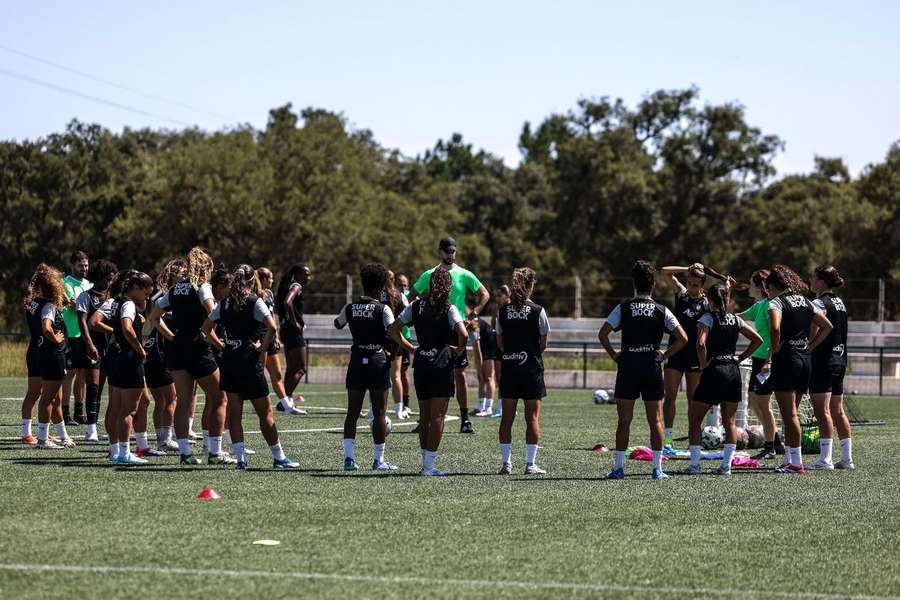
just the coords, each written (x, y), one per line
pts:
(76, 356)
(463, 282)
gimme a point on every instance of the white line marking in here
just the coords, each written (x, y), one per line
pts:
(394, 424)
(476, 583)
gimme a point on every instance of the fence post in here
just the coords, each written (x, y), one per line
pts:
(577, 297)
(880, 316)
(881, 371)
(349, 289)
(308, 367)
(584, 366)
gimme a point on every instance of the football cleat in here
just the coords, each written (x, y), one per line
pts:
(189, 459)
(433, 472)
(383, 466)
(466, 427)
(241, 465)
(723, 470)
(67, 443)
(615, 474)
(821, 465)
(764, 455)
(658, 474)
(293, 410)
(692, 470)
(142, 452)
(130, 459)
(844, 465)
(48, 444)
(169, 444)
(29, 440)
(533, 469)
(91, 437)
(505, 469)
(350, 465)
(287, 463)
(220, 459)
(789, 468)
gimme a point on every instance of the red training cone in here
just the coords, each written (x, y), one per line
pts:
(209, 494)
(601, 447)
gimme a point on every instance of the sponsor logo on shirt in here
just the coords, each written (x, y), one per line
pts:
(369, 347)
(429, 353)
(519, 356)
(800, 344)
(643, 309)
(522, 313)
(363, 311)
(724, 357)
(640, 349)
(795, 301)
(839, 304)
(839, 349)
(181, 289)
(233, 344)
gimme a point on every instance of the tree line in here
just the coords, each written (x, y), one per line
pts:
(671, 179)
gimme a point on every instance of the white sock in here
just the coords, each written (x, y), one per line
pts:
(696, 452)
(114, 449)
(215, 444)
(619, 460)
(61, 430)
(239, 452)
(124, 449)
(184, 446)
(286, 402)
(847, 449)
(226, 438)
(42, 431)
(825, 449)
(141, 440)
(667, 434)
(26, 427)
(481, 404)
(277, 452)
(505, 452)
(489, 404)
(349, 448)
(530, 453)
(206, 440)
(398, 408)
(429, 459)
(91, 430)
(379, 453)
(796, 456)
(729, 453)
(657, 459)
(160, 435)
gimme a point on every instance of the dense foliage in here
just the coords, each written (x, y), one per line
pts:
(672, 180)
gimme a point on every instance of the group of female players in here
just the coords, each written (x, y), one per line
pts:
(216, 329)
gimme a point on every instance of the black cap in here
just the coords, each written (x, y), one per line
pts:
(447, 244)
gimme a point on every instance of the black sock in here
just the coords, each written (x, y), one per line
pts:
(79, 409)
(769, 447)
(66, 414)
(92, 397)
(406, 401)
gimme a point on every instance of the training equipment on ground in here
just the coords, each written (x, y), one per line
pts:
(756, 435)
(601, 397)
(712, 437)
(742, 439)
(209, 494)
(810, 440)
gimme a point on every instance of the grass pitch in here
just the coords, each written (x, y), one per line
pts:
(74, 526)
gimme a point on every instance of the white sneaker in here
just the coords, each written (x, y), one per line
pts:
(433, 472)
(844, 465)
(691, 470)
(821, 465)
(407, 412)
(293, 410)
(533, 469)
(383, 466)
(48, 444)
(169, 444)
(91, 437)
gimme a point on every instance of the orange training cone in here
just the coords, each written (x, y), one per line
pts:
(209, 494)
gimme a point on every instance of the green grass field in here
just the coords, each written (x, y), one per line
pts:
(74, 526)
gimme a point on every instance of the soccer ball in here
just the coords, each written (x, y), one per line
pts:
(712, 437)
(743, 438)
(757, 438)
(601, 397)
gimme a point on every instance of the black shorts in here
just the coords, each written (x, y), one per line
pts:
(291, 336)
(488, 349)
(461, 361)
(126, 370)
(368, 372)
(404, 357)
(760, 389)
(719, 383)
(638, 376)
(33, 361)
(827, 378)
(156, 373)
(685, 361)
(76, 355)
(243, 374)
(52, 366)
(791, 373)
(273, 347)
(195, 357)
(431, 381)
(521, 384)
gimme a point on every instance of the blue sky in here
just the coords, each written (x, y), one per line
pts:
(825, 76)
